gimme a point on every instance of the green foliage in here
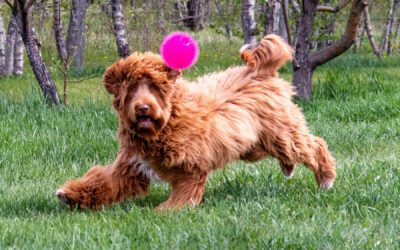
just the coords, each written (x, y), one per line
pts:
(355, 108)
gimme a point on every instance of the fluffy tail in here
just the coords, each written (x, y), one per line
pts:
(272, 52)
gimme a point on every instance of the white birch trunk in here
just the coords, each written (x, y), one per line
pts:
(248, 22)
(2, 46)
(18, 55)
(120, 28)
(10, 45)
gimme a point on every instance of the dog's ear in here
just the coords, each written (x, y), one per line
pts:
(114, 77)
(173, 74)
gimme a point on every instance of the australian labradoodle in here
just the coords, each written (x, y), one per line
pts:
(178, 131)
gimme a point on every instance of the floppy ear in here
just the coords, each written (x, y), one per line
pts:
(114, 77)
(173, 74)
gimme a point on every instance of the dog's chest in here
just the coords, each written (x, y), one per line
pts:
(145, 169)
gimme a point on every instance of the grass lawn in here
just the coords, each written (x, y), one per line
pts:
(356, 108)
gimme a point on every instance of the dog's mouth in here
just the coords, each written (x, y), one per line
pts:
(144, 121)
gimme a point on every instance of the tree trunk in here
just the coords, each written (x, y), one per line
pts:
(18, 55)
(368, 30)
(302, 71)
(197, 12)
(2, 46)
(75, 28)
(346, 41)
(248, 22)
(388, 27)
(10, 45)
(305, 63)
(272, 10)
(222, 14)
(80, 39)
(119, 28)
(161, 22)
(22, 12)
(396, 35)
(58, 31)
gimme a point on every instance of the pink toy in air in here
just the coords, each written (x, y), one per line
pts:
(179, 50)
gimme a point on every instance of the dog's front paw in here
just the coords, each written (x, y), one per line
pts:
(92, 191)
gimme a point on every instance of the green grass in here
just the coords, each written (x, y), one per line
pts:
(356, 108)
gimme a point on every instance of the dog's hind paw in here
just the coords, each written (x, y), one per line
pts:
(326, 184)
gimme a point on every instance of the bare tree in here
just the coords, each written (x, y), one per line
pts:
(120, 28)
(197, 13)
(368, 30)
(305, 63)
(2, 46)
(18, 55)
(80, 39)
(222, 7)
(272, 10)
(22, 12)
(248, 22)
(10, 45)
(161, 22)
(385, 42)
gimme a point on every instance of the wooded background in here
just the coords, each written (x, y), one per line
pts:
(60, 34)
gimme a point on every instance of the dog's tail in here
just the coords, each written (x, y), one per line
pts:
(272, 52)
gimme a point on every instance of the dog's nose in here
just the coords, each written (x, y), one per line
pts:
(142, 109)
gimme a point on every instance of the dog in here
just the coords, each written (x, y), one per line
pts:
(178, 131)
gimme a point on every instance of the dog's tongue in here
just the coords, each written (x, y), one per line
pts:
(144, 122)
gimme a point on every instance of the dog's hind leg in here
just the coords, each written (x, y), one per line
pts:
(101, 186)
(186, 190)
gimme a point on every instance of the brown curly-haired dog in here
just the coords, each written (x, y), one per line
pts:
(178, 131)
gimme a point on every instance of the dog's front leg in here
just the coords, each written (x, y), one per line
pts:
(187, 189)
(101, 186)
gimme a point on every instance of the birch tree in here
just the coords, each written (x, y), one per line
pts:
(248, 22)
(18, 64)
(385, 41)
(272, 10)
(120, 28)
(2, 46)
(197, 12)
(10, 45)
(22, 12)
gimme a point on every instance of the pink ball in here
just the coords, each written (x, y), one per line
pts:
(179, 50)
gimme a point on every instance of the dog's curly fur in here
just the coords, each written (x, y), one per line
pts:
(179, 131)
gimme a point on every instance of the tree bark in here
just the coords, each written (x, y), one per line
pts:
(305, 63)
(75, 28)
(18, 55)
(10, 45)
(161, 22)
(22, 11)
(272, 10)
(368, 30)
(80, 39)
(302, 70)
(248, 22)
(347, 39)
(197, 12)
(58, 31)
(119, 28)
(388, 27)
(396, 35)
(2, 46)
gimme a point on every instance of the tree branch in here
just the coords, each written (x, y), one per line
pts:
(335, 9)
(28, 4)
(9, 4)
(347, 39)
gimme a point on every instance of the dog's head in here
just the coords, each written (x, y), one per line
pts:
(142, 86)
